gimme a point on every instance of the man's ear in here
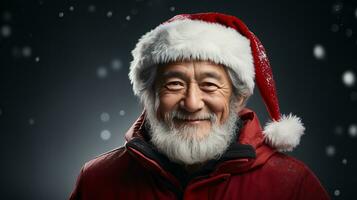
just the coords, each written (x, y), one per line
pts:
(240, 103)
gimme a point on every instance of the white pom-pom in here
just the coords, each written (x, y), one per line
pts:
(284, 135)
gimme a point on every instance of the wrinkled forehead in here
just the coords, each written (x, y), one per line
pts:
(192, 68)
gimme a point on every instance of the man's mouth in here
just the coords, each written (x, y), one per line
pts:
(190, 121)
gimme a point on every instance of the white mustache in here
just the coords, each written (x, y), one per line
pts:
(185, 116)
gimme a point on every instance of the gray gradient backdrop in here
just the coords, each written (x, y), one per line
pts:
(50, 108)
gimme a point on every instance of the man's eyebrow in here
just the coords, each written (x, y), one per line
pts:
(174, 74)
(211, 75)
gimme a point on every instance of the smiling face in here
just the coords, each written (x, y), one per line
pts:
(193, 114)
(193, 94)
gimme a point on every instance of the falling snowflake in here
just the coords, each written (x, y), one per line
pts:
(348, 78)
(172, 8)
(337, 192)
(71, 8)
(319, 52)
(344, 161)
(336, 8)
(116, 64)
(128, 18)
(37, 59)
(105, 135)
(109, 14)
(330, 150)
(121, 112)
(352, 130)
(60, 14)
(104, 117)
(31, 121)
(102, 72)
(356, 13)
(91, 8)
(26, 51)
(6, 31)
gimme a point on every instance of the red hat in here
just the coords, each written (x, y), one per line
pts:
(222, 39)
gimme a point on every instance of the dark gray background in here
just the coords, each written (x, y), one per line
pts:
(57, 77)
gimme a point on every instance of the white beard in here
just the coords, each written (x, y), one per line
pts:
(180, 144)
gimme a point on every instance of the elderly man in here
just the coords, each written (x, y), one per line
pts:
(195, 140)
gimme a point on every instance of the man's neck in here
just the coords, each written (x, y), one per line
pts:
(190, 169)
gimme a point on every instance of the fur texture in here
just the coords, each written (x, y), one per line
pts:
(194, 40)
(181, 145)
(285, 134)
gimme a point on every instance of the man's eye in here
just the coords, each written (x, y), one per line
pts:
(174, 85)
(210, 87)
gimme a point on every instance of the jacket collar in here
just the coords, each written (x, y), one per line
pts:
(252, 151)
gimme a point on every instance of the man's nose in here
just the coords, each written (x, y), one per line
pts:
(192, 101)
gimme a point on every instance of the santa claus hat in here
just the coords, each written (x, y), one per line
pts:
(222, 39)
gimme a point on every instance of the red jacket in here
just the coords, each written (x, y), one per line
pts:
(251, 171)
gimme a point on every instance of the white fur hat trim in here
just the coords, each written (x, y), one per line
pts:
(196, 40)
(285, 134)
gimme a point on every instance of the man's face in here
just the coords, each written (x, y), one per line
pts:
(195, 91)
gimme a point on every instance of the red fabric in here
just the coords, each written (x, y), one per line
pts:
(125, 173)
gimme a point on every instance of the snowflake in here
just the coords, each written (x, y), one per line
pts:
(262, 56)
(330, 150)
(121, 112)
(344, 161)
(352, 130)
(319, 52)
(109, 14)
(337, 192)
(336, 8)
(348, 78)
(104, 117)
(102, 72)
(116, 64)
(6, 31)
(91, 8)
(105, 135)
(31, 121)
(26, 51)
